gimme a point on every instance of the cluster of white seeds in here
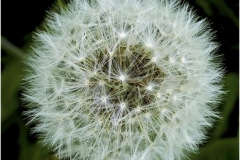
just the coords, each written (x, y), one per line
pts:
(123, 80)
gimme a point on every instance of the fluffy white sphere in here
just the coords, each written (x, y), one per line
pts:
(123, 80)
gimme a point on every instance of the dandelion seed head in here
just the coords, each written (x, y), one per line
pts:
(123, 79)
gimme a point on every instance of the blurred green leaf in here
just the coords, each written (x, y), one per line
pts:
(11, 80)
(224, 149)
(28, 150)
(231, 86)
(205, 5)
(223, 8)
(226, 10)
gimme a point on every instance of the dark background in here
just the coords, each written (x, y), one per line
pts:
(21, 18)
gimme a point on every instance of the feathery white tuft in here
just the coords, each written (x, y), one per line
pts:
(123, 80)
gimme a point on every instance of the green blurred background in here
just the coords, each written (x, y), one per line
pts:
(21, 18)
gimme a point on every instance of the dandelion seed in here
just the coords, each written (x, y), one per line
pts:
(123, 106)
(104, 99)
(149, 87)
(158, 95)
(122, 35)
(154, 59)
(122, 78)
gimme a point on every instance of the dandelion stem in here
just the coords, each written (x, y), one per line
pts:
(11, 49)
